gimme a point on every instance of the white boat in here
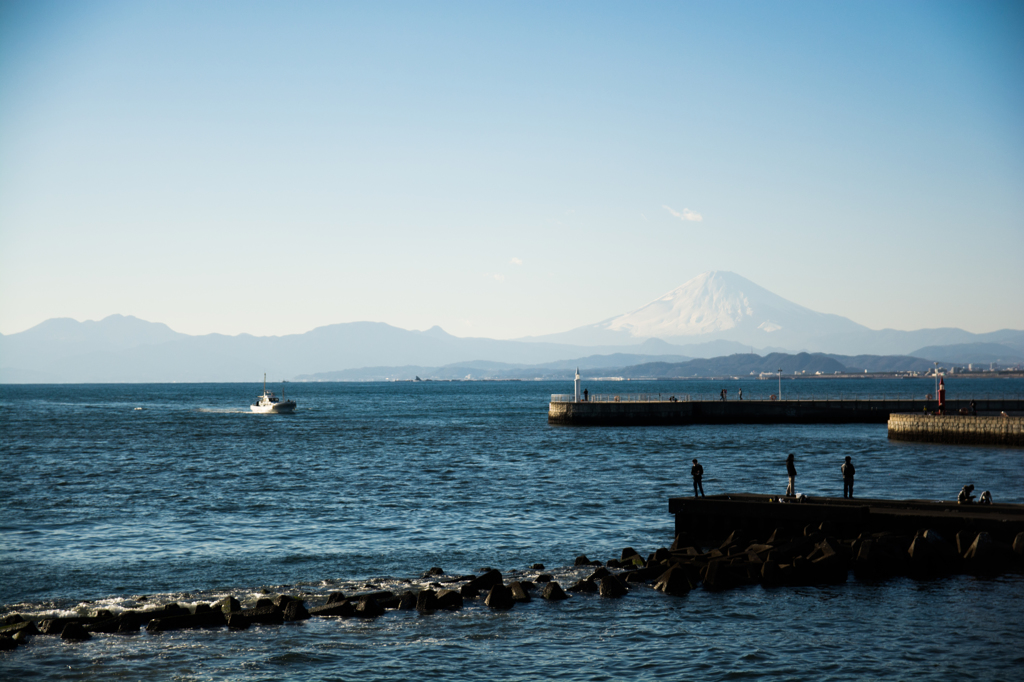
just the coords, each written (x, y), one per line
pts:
(270, 403)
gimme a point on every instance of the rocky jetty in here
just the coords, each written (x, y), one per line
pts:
(816, 554)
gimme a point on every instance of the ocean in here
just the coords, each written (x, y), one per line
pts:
(369, 485)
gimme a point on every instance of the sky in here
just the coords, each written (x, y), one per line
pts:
(507, 169)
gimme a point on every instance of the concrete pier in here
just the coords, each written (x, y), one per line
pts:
(713, 517)
(632, 412)
(958, 429)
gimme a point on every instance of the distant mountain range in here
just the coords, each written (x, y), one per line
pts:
(717, 314)
(724, 307)
(629, 366)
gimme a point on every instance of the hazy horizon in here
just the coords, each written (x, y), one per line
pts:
(504, 171)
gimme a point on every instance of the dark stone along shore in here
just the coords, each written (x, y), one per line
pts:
(817, 553)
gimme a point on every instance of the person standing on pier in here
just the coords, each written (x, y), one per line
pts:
(848, 472)
(697, 471)
(791, 472)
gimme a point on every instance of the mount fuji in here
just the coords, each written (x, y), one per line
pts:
(729, 313)
(715, 306)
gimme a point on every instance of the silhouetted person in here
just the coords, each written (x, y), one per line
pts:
(848, 472)
(974, 409)
(741, 394)
(791, 472)
(986, 498)
(585, 395)
(965, 496)
(697, 471)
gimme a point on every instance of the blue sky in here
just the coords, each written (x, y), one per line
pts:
(507, 169)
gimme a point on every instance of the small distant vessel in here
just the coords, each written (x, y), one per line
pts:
(270, 403)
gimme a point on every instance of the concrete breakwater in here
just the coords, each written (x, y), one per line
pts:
(628, 412)
(820, 540)
(958, 429)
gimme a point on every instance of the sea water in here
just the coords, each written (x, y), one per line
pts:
(367, 486)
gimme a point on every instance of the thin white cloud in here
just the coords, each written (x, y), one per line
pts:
(499, 277)
(516, 261)
(687, 214)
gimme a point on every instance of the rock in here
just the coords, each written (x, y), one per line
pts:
(553, 592)
(611, 587)
(662, 554)
(628, 553)
(735, 538)
(986, 556)
(124, 623)
(171, 610)
(388, 600)
(264, 615)
(13, 618)
(436, 570)
(482, 583)
(8, 644)
(426, 602)
(830, 568)
(931, 555)
(295, 610)
(771, 574)
(228, 605)
(613, 563)
(645, 574)
(880, 557)
(208, 619)
(236, 621)
(598, 574)
(281, 601)
(339, 609)
(673, 582)
(368, 607)
(55, 626)
(544, 578)
(407, 601)
(537, 567)
(1018, 544)
(500, 598)
(264, 602)
(449, 600)
(519, 593)
(25, 628)
(720, 575)
(581, 560)
(584, 587)
(964, 540)
(74, 632)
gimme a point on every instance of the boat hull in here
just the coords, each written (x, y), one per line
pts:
(283, 407)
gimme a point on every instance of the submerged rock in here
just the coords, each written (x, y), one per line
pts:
(500, 598)
(612, 588)
(74, 632)
(449, 600)
(673, 582)
(518, 592)
(553, 592)
(342, 609)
